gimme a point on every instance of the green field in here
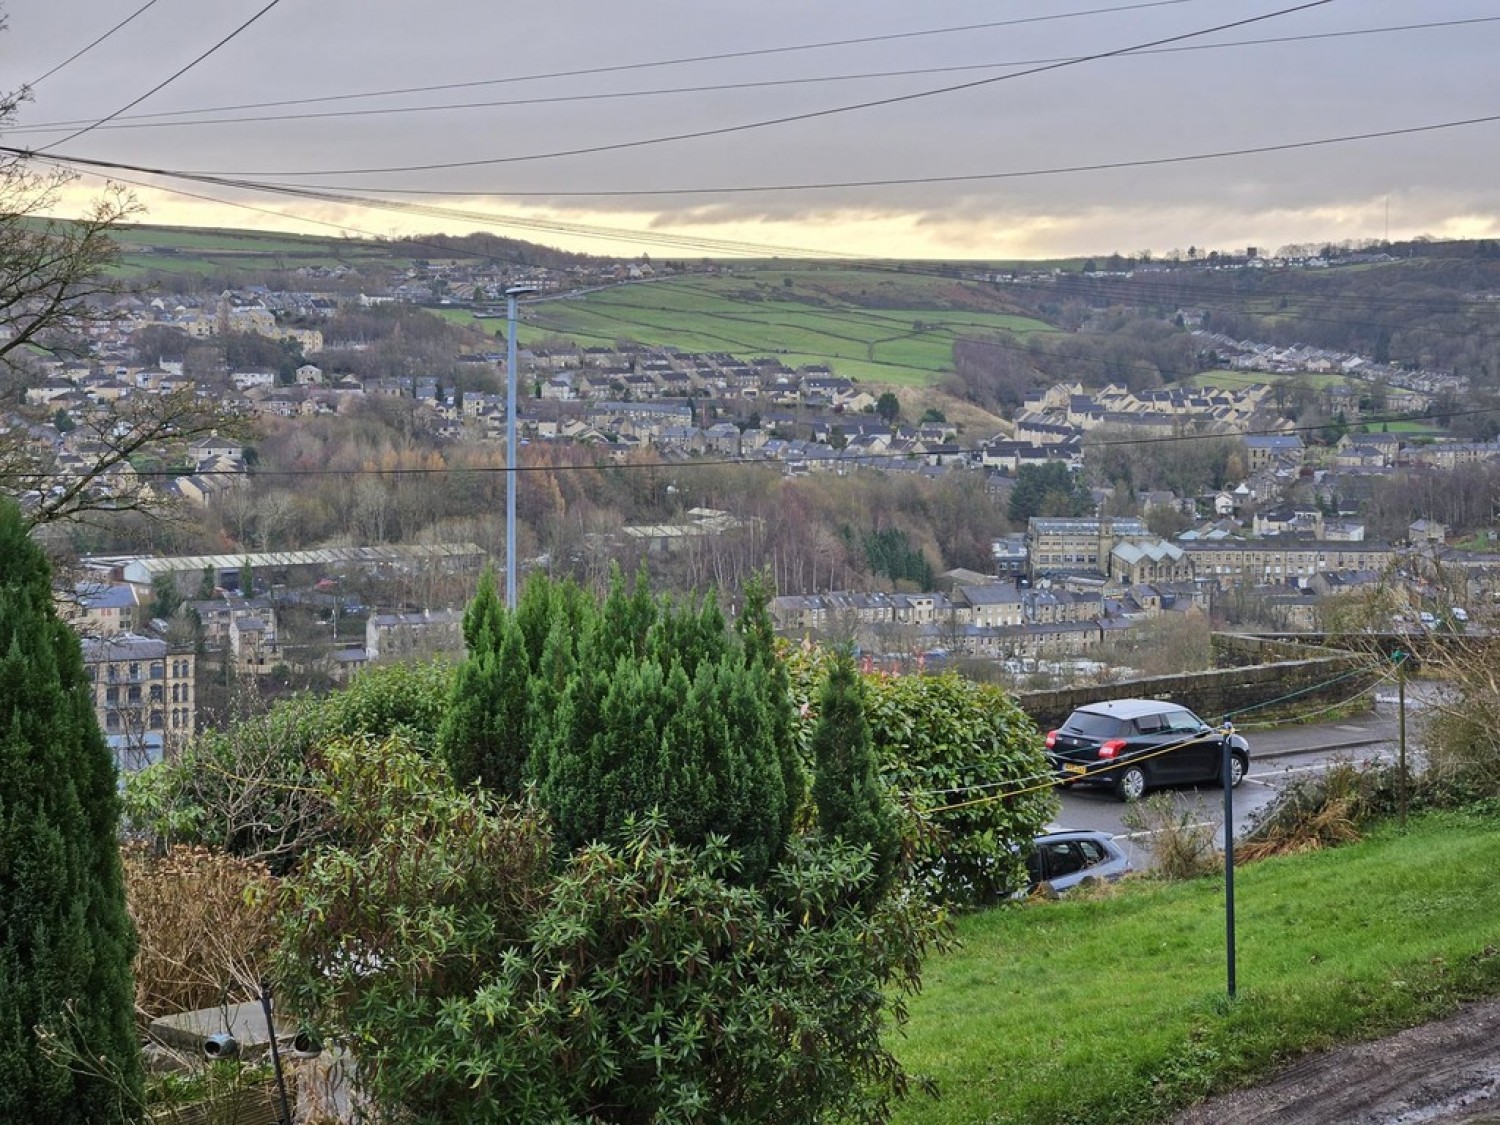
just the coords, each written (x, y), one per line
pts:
(869, 325)
(1113, 1010)
(188, 250)
(1227, 379)
(882, 324)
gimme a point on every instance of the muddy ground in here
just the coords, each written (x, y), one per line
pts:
(1445, 1073)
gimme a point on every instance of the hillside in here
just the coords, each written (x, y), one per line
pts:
(888, 328)
(893, 326)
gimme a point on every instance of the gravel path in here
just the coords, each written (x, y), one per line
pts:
(1445, 1073)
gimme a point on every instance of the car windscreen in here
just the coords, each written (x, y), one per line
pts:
(1092, 725)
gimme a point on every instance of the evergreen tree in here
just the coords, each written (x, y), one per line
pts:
(656, 707)
(481, 624)
(758, 636)
(484, 736)
(851, 804)
(65, 938)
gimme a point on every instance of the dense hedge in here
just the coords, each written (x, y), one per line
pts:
(966, 763)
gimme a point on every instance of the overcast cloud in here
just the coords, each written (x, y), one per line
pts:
(1180, 102)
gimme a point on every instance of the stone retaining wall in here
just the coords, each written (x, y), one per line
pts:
(1292, 684)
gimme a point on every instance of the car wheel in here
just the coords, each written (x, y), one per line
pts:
(1131, 784)
(1238, 767)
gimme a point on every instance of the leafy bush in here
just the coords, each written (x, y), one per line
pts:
(640, 981)
(246, 791)
(966, 763)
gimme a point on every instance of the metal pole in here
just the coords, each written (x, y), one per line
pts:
(510, 449)
(1227, 766)
(1405, 794)
(510, 439)
(265, 1005)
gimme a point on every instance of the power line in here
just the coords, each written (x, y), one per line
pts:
(323, 194)
(716, 246)
(965, 177)
(787, 119)
(700, 244)
(150, 120)
(756, 249)
(679, 242)
(85, 50)
(710, 462)
(164, 82)
(659, 63)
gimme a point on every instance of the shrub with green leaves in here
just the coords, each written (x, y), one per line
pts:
(639, 980)
(245, 790)
(967, 764)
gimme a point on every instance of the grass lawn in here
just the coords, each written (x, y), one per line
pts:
(1114, 1009)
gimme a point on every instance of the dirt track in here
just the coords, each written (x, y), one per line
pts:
(1445, 1073)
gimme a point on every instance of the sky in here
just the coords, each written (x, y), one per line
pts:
(622, 79)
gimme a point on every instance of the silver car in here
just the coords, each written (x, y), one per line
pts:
(1063, 859)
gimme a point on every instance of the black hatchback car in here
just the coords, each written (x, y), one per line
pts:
(1133, 745)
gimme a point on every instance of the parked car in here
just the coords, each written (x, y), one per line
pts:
(1063, 859)
(1133, 745)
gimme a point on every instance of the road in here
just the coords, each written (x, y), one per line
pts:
(1277, 756)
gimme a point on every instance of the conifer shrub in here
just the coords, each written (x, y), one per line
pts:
(65, 938)
(631, 705)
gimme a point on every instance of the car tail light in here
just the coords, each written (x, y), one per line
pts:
(1111, 748)
(1051, 739)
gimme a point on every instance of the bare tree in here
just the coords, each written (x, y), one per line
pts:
(55, 285)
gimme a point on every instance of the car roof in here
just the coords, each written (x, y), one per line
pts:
(1130, 708)
(1072, 833)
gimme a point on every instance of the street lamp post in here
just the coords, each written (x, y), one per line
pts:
(510, 439)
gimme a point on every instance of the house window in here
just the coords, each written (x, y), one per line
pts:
(158, 670)
(157, 694)
(111, 695)
(134, 695)
(112, 720)
(156, 720)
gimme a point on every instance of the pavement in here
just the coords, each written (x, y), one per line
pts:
(1375, 728)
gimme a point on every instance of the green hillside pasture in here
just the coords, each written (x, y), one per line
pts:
(1113, 1009)
(186, 250)
(907, 346)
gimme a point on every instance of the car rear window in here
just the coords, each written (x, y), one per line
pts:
(1093, 725)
